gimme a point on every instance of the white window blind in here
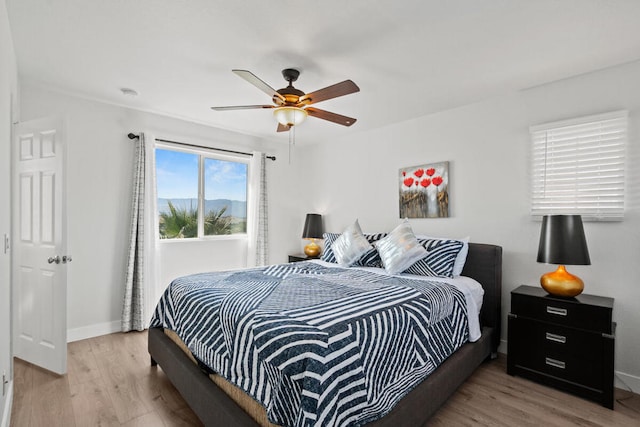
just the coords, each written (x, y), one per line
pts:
(578, 167)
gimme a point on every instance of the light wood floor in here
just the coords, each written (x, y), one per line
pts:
(111, 383)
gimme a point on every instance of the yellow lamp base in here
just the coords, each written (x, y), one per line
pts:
(562, 283)
(312, 250)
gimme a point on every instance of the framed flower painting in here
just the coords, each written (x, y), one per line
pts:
(424, 191)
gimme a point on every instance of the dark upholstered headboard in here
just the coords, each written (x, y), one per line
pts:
(484, 264)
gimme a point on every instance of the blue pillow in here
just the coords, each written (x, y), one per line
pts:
(440, 258)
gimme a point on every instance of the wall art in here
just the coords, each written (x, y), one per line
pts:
(424, 191)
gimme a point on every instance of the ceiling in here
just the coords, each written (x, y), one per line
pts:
(409, 58)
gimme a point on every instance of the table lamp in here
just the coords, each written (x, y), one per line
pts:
(562, 242)
(312, 231)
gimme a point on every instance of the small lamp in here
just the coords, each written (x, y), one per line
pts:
(562, 242)
(312, 231)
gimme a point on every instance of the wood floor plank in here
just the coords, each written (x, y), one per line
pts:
(124, 391)
(151, 419)
(22, 393)
(547, 405)
(81, 362)
(111, 383)
(92, 405)
(627, 402)
(51, 400)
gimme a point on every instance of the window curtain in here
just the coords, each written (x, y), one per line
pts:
(257, 227)
(141, 272)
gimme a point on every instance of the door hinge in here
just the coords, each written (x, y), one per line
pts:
(5, 243)
(4, 383)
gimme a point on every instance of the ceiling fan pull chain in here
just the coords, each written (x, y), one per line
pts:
(290, 144)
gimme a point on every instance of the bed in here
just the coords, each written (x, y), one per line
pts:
(215, 407)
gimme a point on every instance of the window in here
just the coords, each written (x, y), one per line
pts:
(200, 194)
(578, 167)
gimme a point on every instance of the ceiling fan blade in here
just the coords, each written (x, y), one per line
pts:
(242, 107)
(282, 128)
(339, 89)
(332, 117)
(257, 82)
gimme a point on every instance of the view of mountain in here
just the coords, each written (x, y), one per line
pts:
(235, 208)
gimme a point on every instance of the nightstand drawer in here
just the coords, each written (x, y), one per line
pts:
(552, 338)
(565, 367)
(562, 312)
(564, 353)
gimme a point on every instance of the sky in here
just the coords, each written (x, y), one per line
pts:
(177, 177)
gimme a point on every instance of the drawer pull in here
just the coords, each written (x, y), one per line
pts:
(556, 338)
(557, 311)
(555, 363)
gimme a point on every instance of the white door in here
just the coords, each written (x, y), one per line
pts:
(40, 259)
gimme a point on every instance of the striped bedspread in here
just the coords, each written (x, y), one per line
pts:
(316, 345)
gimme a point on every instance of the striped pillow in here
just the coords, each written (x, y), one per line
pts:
(440, 258)
(327, 253)
(371, 258)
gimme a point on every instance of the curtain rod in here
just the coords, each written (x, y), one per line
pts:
(134, 136)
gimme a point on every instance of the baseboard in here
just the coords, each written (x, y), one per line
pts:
(627, 381)
(6, 417)
(94, 330)
(502, 348)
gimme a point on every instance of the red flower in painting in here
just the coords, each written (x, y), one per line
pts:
(431, 171)
(416, 184)
(408, 182)
(425, 182)
(437, 180)
(419, 173)
(404, 173)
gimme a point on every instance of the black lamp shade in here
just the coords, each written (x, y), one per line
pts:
(562, 241)
(312, 227)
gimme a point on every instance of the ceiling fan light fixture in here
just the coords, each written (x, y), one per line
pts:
(290, 116)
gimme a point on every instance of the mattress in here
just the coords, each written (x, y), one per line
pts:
(318, 345)
(248, 404)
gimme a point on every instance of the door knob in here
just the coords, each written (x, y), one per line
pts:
(66, 259)
(51, 259)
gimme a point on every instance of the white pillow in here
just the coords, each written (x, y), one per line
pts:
(351, 245)
(400, 249)
(462, 255)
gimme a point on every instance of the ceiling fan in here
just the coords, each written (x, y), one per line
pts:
(292, 105)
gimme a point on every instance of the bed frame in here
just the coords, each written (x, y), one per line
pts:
(215, 408)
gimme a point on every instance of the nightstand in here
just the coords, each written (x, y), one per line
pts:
(300, 257)
(566, 343)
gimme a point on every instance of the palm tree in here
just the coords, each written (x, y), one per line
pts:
(178, 223)
(215, 223)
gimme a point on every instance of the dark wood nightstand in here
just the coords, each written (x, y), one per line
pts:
(566, 343)
(300, 257)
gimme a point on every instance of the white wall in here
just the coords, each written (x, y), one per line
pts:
(99, 174)
(8, 93)
(487, 145)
